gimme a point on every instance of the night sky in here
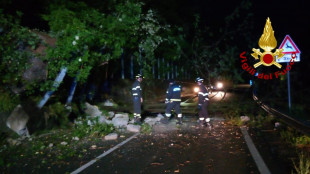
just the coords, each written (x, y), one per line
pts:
(292, 18)
(287, 17)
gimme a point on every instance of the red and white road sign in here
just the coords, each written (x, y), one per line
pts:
(289, 47)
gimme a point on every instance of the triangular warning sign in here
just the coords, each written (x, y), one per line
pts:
(289, 46)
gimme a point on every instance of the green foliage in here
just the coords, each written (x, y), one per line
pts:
(37, 145)
(304, 140)
(213, 52)
(75, 109)
(82, 128)
(232, 113)
(57, 114)
(131, 116)
(84, 33)
(8, 101)
(235, 121)
(100, 129)
(260, 121)
(15, 45)
(303, 166)
(288, 136)
(294, 138)
(156, 38)
(85, 38)
(105, 112)
(146, 128)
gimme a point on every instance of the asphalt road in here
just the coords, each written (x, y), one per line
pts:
(189, 148)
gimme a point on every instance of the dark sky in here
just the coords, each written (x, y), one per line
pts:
(287, 17)
(292, 18)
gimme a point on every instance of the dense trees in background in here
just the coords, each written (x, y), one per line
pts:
(92, 33)
(85, 38)
(214, 49)
(16, 41)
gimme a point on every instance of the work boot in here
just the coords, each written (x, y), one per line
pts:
(208, 119)
(208, 123)
(137, 120)
(180, 121)
(201, 122)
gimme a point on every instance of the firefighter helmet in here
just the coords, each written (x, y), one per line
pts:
(198, 79)
(139, 76)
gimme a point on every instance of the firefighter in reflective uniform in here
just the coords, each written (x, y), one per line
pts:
(203, 101)
(137, 99)
(173, 101)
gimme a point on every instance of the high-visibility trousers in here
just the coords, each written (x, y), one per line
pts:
(203, 113)
(136, 106)
(173, 105)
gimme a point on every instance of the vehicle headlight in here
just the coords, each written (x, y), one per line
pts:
(196, 89)
(219, 85)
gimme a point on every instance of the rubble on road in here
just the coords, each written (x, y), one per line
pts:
(92, 110)
(120, 120)
(111, 136)
(133, 128)
(18, 120)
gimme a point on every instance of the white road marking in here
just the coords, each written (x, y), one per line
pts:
(103, 155)
(262, 167)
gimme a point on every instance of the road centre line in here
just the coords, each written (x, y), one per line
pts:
(262, 167)
(103, 155)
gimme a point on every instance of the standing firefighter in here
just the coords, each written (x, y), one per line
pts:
(137, 98)
(203, 101)
(173, 101)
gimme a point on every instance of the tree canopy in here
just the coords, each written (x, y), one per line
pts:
(89, 33)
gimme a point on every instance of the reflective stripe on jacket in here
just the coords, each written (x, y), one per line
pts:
(136, 89)
(203, 94)
(173, 93)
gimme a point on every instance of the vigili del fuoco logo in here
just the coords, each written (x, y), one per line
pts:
(267, 42)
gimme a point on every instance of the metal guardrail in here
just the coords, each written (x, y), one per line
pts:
(299, 126)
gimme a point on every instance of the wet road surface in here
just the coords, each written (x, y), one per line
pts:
(189, 148)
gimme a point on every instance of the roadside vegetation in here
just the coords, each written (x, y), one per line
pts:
(85, 39)
(296, 145)
(54, 148)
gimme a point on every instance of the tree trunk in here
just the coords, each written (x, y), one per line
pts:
(57, 82)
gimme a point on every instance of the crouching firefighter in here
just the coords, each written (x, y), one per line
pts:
(203, 100)
(137, 99)
(173, 101)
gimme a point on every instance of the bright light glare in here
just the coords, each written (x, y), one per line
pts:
(196, 89)
(219, 95)
(219, 85)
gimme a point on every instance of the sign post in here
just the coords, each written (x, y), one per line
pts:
(289, 48)
(289, 89)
